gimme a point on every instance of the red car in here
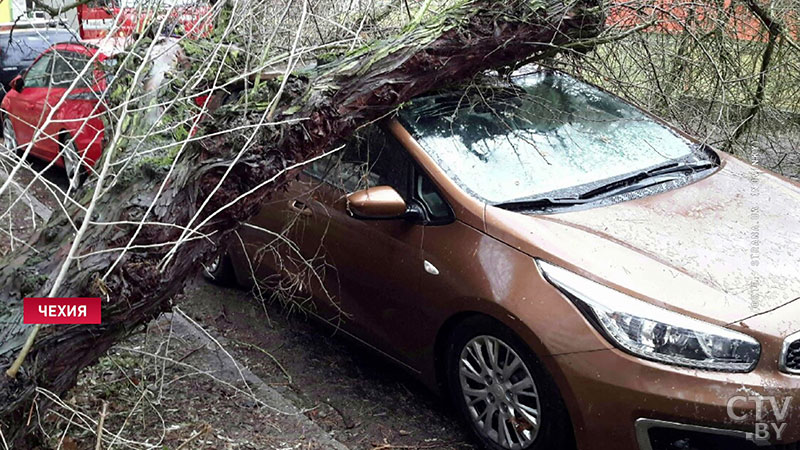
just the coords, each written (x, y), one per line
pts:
(75, 131)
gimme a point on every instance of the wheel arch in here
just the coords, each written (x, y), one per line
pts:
(515, 327)
(86, 142)
(63, 134)
(505, 319)
(440, 344)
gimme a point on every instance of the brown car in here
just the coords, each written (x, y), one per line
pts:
(569, 270)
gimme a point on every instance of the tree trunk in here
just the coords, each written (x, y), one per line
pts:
(328, 103)
(774, 31)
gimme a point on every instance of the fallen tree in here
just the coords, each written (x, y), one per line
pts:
(137, 243)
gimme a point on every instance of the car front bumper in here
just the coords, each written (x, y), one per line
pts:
(619, 402)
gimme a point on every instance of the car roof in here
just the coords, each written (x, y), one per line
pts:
(27, 40)
(79, 47)
(31, 24)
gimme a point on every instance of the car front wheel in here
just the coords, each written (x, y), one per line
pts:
(220, 271)
(73, 165)
(9, 135)
(503, 391)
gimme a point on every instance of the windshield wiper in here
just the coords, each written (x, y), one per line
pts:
(630, 183)
(541, 203)
(635, 181)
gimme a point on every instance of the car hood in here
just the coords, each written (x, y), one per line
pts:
(725, 248)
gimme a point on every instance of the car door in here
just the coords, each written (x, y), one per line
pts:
(11, 60)
(370, 268)
(26, 107)
(77, 112)
(266, 252)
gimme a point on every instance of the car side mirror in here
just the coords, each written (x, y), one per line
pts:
(17, 83)
(379, 202)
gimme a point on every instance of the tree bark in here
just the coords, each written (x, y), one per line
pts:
(774, 31)
(328, 103)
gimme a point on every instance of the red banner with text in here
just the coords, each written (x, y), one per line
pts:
(61, 311)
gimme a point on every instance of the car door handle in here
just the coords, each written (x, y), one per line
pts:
(300, 207)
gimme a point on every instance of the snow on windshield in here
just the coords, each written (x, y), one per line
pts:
(547, 132)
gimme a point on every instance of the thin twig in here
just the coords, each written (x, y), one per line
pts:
(275, 360)
(100, 422)
(203, 431)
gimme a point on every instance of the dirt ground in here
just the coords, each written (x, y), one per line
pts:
(159, 394)
(22, 205)
(366, 401)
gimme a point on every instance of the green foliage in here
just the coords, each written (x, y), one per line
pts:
(31, 281)
(327, 57)
(161, 161)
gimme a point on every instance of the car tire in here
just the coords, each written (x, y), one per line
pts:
(220, 271)
(504, 396)
(72, 163)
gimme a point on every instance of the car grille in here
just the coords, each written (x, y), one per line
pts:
(792, 356)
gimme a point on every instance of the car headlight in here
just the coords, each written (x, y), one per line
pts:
(654, 333)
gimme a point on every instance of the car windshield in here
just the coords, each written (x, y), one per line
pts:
(546, 132)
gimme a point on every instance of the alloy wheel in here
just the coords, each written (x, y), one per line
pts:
(213, 266)
(9, 135)
(71, 164)
(499, 392)
(220, 271)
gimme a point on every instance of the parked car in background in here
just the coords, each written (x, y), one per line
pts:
(101, 18)
(34, 19)
(21, 46)
(74, 137)
(76, 125)
(568, 269)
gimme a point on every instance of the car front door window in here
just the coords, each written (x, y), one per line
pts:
(67, 66)
(371, 158)
(374, 158)
(39, 73)
(436, 207)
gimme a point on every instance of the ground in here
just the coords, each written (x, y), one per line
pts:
(366, 400)
(160, 389)
(21, 205)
